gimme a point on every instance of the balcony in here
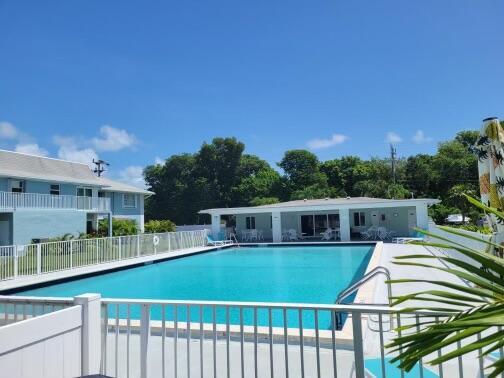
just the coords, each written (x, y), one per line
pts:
(47, 201)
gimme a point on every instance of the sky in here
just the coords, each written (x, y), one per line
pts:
(134, 82)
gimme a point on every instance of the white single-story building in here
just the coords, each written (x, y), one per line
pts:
(311, 218)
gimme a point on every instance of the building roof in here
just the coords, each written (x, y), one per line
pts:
(25, 166)
(323, 204)
(115, 186)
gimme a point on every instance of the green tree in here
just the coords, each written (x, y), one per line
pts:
(301, 168)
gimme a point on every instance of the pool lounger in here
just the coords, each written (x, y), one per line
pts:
(216, 243)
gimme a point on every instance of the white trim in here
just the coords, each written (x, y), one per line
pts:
(378, 203)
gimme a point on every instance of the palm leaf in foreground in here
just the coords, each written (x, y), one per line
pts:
(472, 313)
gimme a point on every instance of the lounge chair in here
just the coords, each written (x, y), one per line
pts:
(327, 234)
(217, 243)
(373, 369)
(293, 235)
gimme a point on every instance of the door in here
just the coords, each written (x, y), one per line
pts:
(375, 219)
(307, 225)
(411, 221)
(5, 232)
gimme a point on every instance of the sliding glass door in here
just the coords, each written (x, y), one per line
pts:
(315, 224)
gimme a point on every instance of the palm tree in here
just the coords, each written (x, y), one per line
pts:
(469, 311)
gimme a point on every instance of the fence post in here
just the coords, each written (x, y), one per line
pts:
(16, 266)
(39, 258)
(91, 332)
(119, 243)
(169, 241)
(357, 344)
(144, 339)
(97, 255)
(138, 245)
(71, 253)
(192, 238)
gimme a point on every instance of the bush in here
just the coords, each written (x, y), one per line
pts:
(474, 228)
(120, 227)
(163, 225)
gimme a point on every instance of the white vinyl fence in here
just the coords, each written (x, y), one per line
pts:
(34, 259)
(469, 243)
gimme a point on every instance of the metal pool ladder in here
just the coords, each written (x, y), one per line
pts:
(366, 278)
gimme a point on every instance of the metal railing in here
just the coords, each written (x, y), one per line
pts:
(166, 338)
(10, 200)
(161, 338)
(35, 259)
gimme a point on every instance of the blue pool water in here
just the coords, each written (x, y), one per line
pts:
(296, 274)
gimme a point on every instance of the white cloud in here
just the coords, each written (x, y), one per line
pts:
(112, 139)
(8, 131)
(132, 175)
(159, 161)
(316, 144)
(393, 138)
(420, 137)
(69, 149)
(32, 149)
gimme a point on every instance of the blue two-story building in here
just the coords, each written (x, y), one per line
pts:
(43, 197)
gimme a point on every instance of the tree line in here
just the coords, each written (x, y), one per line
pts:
(221, 174)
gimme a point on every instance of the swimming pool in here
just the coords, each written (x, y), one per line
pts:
(292, 274)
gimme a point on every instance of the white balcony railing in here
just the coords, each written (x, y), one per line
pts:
(47, 201)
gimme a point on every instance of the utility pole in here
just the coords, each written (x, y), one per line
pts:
(100, 166)
(393, 155)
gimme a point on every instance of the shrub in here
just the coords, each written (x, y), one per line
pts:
(163, 225)
(120, 227)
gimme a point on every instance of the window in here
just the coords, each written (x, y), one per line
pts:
(17, 186)
(129, 200)
(84, 192)
(359, 218)
(250, 223)
(101, 194)
(54, 189)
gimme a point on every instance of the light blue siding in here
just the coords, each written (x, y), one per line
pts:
(4, 184)
(118, 209)
(30, 224)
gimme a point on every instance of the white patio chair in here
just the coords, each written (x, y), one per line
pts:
(285, 235)
(327, 234)
(253, 235)
(382, 233)
(260, 235)
(244, 235)
(293, 235)
(365, 235)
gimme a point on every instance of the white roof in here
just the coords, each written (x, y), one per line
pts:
(115, 186)
(25, 166)
(324, 204)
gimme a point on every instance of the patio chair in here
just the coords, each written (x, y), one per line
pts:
(217, 243)
(327, 234)
(253, 235)
(373, 369)
(285, 235)
(293, 235)
(365, 235)
(260, 235)
(245, 235)
(382, 233)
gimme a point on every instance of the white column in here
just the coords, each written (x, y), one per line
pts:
(344, 220)
(110, 224)
(216, 219)
(276, 226)
(91, 332)
(422, 216)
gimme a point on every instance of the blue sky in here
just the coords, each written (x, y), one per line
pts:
(135, 81)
